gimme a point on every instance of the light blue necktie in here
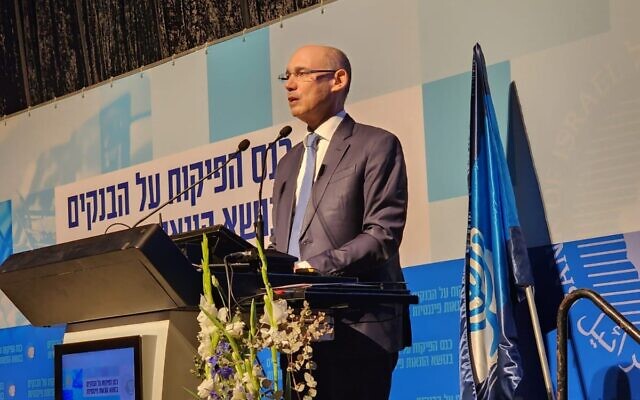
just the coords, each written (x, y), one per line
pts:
(304, 195)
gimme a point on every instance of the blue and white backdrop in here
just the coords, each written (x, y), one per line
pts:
(70, 168)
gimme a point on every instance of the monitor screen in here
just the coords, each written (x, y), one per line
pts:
(99, 370)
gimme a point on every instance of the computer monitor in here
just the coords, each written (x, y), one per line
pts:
(105, 369)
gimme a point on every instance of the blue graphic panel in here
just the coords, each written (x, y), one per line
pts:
(435, 324)
(115, 135)
(446, 125)
(125, 132)
(606, 360)
(33, 220)
(264, 358)
(56, 164)
(26, 362)
(239, 82)
(6, 237)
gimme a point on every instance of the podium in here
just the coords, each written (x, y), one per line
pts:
(125, 283)
(141, 282)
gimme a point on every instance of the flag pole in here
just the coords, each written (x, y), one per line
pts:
(533, 312)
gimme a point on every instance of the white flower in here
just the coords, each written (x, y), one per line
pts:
(257, 371)
(238, 393)
(280, 312)
(202, 318)
(223, 314)
(204, 321)
(207, 328)
(204, 349)
(235, 328)
(205, 388)
(209, 307)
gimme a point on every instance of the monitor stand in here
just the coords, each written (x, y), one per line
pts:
(169, 343)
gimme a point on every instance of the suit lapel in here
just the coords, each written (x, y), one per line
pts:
(336, 150)
(288, 194)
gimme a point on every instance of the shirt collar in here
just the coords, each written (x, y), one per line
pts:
(328, 127)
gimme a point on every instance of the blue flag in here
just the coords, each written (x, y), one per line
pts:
(496, 260)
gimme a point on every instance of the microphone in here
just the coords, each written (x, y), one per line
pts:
(247, 255)
(259, 224)
(242, 146)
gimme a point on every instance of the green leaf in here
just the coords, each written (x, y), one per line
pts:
(192, 393)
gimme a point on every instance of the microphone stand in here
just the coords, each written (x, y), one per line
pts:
(259, 224)
(242, 146)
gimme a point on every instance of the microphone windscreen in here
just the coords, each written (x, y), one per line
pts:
(242, 146)
(285, 131)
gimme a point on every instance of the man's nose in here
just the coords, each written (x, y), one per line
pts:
(290, 84)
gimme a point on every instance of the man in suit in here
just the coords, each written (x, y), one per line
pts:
(340, 205)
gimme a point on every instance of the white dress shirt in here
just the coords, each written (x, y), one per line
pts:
(325, 132)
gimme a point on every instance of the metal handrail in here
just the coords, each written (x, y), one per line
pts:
(563, 313)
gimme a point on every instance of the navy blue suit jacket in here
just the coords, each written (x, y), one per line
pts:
(354, 223)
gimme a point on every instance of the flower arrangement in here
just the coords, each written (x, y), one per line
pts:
(227, 360)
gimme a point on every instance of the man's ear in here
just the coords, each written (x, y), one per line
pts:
(341, 80)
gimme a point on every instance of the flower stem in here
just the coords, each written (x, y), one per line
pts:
(268, 304)
(206, 272)
(235, 353)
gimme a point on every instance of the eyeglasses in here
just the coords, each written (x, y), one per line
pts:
(303, 75)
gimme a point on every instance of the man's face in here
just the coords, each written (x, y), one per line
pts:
(311, 98)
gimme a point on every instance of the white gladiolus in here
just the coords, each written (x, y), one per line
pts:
(210, 308)
(205, 388)
(280, 308)
(280, 314)
(206, 325)
(204, 349)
